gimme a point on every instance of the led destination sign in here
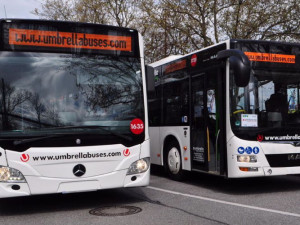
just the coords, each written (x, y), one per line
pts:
(56, 39)
(269, 57)
(175, 66)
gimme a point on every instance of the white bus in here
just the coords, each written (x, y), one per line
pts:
(73, 109)
(232, 109)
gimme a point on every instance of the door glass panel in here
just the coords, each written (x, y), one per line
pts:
(212, 120)
(199, 157)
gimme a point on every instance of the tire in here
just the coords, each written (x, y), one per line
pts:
(173, 162)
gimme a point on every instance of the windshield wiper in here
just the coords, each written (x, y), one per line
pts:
(128, 138)
(28, 120)
(29, 140)
(267, 129)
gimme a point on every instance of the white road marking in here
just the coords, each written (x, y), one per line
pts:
(225, 202)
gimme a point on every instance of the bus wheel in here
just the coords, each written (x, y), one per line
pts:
(173, 162)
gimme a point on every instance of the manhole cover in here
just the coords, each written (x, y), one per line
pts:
(115, 211)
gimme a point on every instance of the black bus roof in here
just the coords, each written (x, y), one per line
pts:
(57, 22)
(231, 42)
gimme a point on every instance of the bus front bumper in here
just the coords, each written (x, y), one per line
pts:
(44, 185)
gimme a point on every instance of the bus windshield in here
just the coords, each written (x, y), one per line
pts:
(44, 92)
(269, 104)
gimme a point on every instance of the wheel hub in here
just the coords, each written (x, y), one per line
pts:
(174, 160)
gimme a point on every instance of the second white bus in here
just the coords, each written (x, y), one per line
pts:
(231, 109)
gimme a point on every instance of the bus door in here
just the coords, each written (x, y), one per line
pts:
(207, 126)
(198, 134)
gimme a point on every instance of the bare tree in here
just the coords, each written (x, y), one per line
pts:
(38, 106)
(57, 10)
(10, 100)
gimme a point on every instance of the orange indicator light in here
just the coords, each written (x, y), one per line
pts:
(245, 169)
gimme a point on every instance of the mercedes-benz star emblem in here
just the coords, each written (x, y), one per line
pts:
(79, 170)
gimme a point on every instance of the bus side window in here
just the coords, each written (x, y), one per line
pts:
(175, 98)
(211, 101)
(175, 103)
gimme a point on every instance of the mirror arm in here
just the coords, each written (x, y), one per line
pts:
(234, 52)
(150, 79)
(239, 63)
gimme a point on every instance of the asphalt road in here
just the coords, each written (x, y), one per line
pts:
(200, 199)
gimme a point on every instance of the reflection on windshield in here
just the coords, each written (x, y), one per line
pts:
(271, 100)
(54, 90)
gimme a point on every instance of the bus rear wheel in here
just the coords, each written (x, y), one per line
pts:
(173, 162)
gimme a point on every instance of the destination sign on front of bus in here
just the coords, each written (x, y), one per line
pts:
(32, 37)
(275, 56)
(68, 40)
(269, 57)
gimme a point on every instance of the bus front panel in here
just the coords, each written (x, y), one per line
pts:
(264, 116)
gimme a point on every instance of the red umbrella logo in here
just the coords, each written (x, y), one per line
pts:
(24, 157)
(260, 137)
(126, 152)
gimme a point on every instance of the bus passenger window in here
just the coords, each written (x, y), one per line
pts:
(211, 101)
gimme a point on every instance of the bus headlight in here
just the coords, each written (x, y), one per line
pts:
(247, 158)
(139, 166)
(8, 174)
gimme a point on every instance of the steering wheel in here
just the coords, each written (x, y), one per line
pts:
(241, 110)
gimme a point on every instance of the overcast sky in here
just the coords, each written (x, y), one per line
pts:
(19, 8)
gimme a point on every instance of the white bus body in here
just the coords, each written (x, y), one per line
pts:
(89, 144)
(225, 134)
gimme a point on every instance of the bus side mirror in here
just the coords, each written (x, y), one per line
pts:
(150, 80)
(240, 65)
